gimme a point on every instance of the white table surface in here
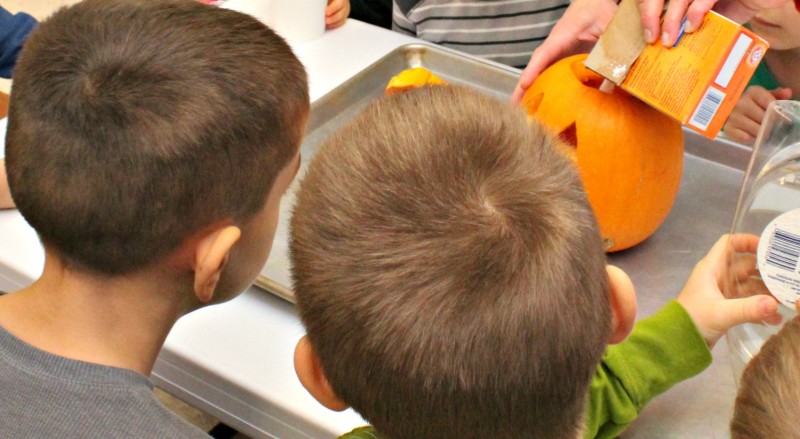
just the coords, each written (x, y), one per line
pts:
(234, 360)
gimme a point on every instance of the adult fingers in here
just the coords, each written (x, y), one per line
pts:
(672, 21)
(553, 48)
(696, 12)
(650, 11)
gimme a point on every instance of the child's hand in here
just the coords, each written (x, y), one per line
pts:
(336, 13)
(702, 295)
(745, 119)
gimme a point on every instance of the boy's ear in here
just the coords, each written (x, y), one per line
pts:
(622, 296)
(312, 377)
(211, 254)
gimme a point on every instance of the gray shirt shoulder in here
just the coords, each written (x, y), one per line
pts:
(48, 396)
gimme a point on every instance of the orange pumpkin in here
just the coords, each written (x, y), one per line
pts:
(630, 156)
(412, 78)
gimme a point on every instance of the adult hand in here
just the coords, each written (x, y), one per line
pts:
(745, 119)
(579, 28)
(585, 20)
(737, 10)
(336, 13)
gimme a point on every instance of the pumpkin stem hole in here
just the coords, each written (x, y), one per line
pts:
(586, 76)
(569, 136)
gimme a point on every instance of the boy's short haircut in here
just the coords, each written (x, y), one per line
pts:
(769, 390)
(449, 270)
(137, 123)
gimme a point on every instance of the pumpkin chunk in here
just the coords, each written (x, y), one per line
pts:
(412, 78)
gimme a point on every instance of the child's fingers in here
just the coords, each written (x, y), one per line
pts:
(714, 263)
(761, 96)
(337, 17)
(737, 243)
(782, 93)
(754, 309)
(774, 319)
(739, 135)
(719, 249)
(336, 13)
(333, 6)
(750, 114)
(752, 286)
(745, 125)
(742, 266)
(741, 242)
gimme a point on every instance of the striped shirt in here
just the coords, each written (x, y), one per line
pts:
(506, 31)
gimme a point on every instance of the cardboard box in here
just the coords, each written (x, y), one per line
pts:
(697, 81)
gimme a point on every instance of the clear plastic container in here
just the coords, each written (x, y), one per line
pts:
(769, 206)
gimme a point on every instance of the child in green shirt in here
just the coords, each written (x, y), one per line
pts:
(453, 283)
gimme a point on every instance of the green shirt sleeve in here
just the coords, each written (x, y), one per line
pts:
(661, 351)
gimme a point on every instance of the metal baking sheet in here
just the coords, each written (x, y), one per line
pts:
(703, 210)
(342, 103)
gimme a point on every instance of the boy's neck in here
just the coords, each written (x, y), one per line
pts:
(784, 65)
(114, 321)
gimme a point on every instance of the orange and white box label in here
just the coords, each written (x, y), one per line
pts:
(700, 78)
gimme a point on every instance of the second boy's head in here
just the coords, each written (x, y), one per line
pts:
(450, 273)
(769, 390)
(139, 129)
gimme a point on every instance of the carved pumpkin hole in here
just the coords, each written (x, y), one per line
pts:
(569, 136)
(586, 76)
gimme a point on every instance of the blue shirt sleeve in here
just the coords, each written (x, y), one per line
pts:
(14, 29)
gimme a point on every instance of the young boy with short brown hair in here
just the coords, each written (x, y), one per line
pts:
(149, 144)
(452, 280)
(769, 390)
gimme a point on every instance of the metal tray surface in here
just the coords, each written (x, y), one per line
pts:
(345, 101)
(703, 210)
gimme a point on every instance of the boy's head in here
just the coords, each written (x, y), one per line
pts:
(138, 125)
(449, 271)
(769, 390)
